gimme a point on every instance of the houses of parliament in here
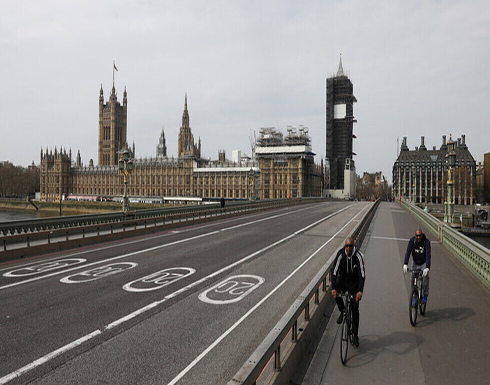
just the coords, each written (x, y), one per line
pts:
(282, 166)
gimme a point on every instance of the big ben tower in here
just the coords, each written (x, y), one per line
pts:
(112, 127)
(339, 152)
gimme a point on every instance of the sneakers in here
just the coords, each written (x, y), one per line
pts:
(414, 302)
(341, 316)
(355, 341)
(424, 299)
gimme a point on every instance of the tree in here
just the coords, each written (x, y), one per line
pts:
(17, 181)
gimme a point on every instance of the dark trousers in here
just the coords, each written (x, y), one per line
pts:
(355, 310)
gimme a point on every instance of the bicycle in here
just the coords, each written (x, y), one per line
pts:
(347, 335)
(415, 302)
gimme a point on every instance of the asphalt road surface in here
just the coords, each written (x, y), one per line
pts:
(449, 345)
(185, 306)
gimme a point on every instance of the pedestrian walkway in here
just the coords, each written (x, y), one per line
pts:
(449, 345)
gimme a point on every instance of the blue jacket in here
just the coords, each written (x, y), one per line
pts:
(420, 251)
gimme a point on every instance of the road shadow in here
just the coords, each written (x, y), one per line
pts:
(371, 346)
(448, 314)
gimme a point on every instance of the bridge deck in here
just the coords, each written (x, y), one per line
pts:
(449, 345)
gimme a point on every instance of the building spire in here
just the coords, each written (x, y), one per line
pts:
(340, 72)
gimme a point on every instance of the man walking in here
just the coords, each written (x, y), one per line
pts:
(348, 275)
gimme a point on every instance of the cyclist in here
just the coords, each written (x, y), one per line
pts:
(348, 275)
(419, 248)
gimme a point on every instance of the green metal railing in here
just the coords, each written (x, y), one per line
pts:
(300, 322)
(473, 255)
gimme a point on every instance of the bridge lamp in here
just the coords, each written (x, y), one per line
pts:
(451, 161)
(125, 168)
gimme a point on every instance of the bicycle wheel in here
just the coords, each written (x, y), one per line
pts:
(349, 319)
(414, 298)
(344, 340)
(423, 305)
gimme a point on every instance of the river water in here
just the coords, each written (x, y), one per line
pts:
(15, 215)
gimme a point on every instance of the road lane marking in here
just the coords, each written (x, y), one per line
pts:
(156, 248)
(41, 268)
(395, 239)
(99, 272)
(159, 279)
(247, 314)
(146, 308)
(232, 289)
(48, 357)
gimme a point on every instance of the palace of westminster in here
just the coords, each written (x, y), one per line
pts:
(283, 167)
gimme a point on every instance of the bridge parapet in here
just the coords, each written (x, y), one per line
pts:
(473, 255)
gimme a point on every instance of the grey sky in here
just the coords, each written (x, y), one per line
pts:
(418, 68)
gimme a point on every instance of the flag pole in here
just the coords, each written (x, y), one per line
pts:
(113, 68)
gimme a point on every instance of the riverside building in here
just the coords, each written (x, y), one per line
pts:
(282, 169)
(421, 175)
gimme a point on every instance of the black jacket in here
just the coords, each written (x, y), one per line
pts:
(348, 272)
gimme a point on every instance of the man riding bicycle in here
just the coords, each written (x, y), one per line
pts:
(348, 275)
(419, 248)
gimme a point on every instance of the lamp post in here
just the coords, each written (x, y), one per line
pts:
(251, 180)
(414, 180)
(125, 167)
(449, 204)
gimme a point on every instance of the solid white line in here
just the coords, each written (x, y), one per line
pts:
(120, 321)
(141, 251)
(48, 357)
(246, 315)
(204, 279)
(389, 238)
(109, 259)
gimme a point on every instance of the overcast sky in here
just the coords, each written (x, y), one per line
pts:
(419, 68)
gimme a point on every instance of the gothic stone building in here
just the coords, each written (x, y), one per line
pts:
(420, 175)
(288, 169)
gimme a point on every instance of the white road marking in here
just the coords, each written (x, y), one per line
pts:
(246, 315)
(159, 279)
(152, 249)
(99, 272)
(41, 268)
(395, 239)
(232, 289)
(47, 357)
(120, 321)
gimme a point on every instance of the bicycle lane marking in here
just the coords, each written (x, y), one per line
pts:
(150, 249)
(66, 348)
(256, 306)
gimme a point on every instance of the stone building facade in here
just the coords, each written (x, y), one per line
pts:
(420, 175)
(288, 169)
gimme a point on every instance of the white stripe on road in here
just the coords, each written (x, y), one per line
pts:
(152, 249)
(246, 315)
(395, 239)
(46, 358)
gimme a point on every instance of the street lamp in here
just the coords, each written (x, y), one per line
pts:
(449, 204)
(251, 180)
(125, 167)
(414, 181)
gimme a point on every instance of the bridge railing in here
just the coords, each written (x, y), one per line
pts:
(473, 255)
(299, 323)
